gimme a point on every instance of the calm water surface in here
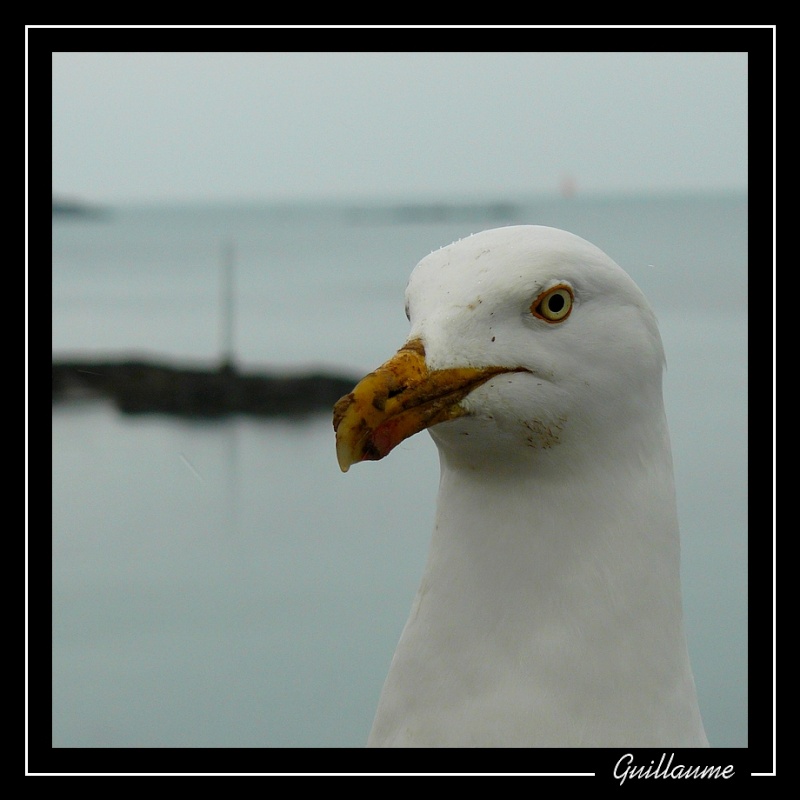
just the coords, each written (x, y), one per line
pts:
(223, 584)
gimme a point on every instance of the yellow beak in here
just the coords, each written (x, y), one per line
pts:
(399, 399)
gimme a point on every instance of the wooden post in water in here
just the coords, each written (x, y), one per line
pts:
(226, 305)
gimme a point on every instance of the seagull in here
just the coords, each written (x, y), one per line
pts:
(549, 610)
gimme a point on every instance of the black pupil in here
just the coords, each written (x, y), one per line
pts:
(556, 303)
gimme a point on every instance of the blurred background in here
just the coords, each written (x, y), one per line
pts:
(217, 582)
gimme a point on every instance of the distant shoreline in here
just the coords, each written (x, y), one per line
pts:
(76, 208)
(389, 209)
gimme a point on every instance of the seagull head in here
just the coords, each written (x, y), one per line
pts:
(525, 341)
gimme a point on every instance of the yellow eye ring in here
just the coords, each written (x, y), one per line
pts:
(555, 304)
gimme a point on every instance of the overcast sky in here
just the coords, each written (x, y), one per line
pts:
(136, 127)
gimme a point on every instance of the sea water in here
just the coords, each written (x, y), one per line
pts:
(222, 584)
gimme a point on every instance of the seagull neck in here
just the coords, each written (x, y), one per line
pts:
(546, 618)
(562, 541)
(584, 579)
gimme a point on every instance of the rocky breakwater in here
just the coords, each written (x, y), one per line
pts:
(139, 386)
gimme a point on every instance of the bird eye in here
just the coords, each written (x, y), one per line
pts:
(553, 305)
